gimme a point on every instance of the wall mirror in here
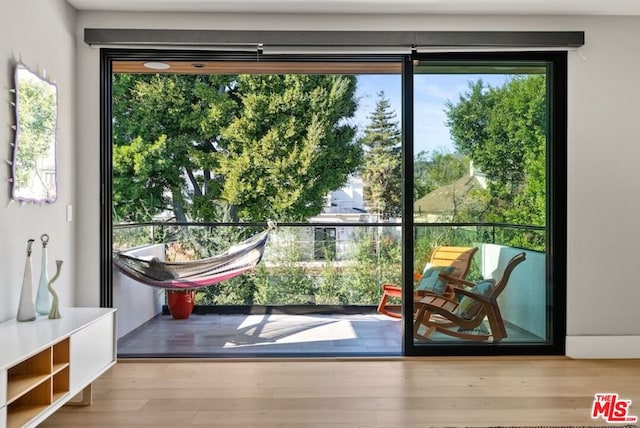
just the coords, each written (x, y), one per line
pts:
(34, 152)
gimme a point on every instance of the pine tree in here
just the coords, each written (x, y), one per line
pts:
(382, 167)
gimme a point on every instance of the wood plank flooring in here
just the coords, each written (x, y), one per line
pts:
(366, 393)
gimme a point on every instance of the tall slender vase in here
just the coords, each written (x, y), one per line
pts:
(43, 299)
(26, 309)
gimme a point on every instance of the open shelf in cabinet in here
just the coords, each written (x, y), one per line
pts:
(29, 405)
(60, 356)
(35, 383)
(60, 385)
(25, 376)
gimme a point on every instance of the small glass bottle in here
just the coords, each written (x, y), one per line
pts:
(43, 299)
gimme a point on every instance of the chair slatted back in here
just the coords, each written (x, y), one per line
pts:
(458, 257)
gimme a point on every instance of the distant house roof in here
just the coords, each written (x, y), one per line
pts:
(441, 200)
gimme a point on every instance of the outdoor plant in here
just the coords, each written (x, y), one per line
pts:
(330, 285)
(377, 260)
(283, 278)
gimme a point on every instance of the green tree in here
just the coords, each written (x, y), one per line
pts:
(382, 166)
(503, 131)
(289, 145)
(247, 147)
(165, 130)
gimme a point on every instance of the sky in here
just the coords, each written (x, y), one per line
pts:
(431, 94)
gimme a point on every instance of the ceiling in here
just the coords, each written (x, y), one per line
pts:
(517, 7)
(253, 67)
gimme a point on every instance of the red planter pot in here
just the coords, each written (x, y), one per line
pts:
(180, 303)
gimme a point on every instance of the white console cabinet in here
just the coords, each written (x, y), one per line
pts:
(45, 363)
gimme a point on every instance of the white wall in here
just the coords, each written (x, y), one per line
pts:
(41, 34)
(603, 150)
(136, 303)
(523, 302)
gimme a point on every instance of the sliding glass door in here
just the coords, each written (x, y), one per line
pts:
(480, 263)
(486, 228)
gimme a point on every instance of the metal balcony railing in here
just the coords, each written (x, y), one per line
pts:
(328, 263)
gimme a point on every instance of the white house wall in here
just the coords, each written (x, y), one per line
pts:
(41, 34)
(603, 150)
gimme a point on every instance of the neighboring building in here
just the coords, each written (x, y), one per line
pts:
(345, 205)
(332, 241)
(346, 202)
(441, 204)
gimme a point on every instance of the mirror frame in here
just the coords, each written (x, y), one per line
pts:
(47, 149)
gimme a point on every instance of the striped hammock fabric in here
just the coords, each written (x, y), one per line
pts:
(238, 259)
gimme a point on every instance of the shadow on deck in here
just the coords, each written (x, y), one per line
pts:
(255, 335)
(259, 335)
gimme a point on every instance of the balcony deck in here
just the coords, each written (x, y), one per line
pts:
(264, 335)
(271, 335)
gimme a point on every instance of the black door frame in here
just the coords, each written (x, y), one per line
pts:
(556, 190)
(556, 173)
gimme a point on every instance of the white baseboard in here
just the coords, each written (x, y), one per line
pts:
(603, 346)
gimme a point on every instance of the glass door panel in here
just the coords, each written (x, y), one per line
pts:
(482, 188)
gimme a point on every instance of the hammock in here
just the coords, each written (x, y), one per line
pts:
(236, 260)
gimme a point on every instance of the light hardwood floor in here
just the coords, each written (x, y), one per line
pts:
(341, 393)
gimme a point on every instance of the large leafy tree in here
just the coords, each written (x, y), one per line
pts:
(249, 146)
(165, 130)
(382, 167)
(289, 145)
(503, 130)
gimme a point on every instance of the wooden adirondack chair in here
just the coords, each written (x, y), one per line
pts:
(462, 319)
(457, 258)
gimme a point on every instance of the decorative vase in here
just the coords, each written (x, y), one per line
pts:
(26, 309)
(43, 300)
(181, 303)
(54, 313)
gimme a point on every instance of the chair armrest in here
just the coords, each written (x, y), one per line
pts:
(392, 287)
(475, 296)
(456, 281)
